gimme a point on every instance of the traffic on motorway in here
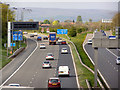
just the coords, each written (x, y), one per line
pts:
(62, 70)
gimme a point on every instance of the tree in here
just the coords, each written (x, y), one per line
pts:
(79, 30)
(11, 17)
(116, 20)
(79, 19)
(68, 21)
(72, 32)
(46, 21)
(90, 20)
(55, 22)
(31, 20)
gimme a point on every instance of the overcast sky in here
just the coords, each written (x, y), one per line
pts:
(66, 5)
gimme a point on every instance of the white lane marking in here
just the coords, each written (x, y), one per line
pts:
(111, 52)
(36, 72)
(34, 75)
(114, 67)
(30, 82)
(20, 66)
(32, 78)
(117, 70)
(74, 67)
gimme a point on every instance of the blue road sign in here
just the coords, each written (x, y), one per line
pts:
(62, 31)
(12, 44)
(15, 36)
(20, 36)
(112, 37)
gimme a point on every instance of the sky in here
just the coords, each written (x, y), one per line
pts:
(66, 4)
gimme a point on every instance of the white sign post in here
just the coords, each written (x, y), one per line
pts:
(9, 34)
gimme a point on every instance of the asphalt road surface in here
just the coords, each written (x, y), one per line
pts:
(66, 60)
(31, 73)
(106, 64)
(14, 64)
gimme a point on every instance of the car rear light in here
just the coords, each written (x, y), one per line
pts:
(43, 64)
(58, 72)
(46, 56)
(68, 72)
(51, 56)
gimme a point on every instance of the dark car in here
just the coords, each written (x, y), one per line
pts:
(54, 83)
(63, 42)
(45, 38)
(57, 38)
(39, 38)
(31, 35)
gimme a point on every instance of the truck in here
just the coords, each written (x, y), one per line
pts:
(52, 38)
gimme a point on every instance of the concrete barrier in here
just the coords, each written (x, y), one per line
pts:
(16, 52)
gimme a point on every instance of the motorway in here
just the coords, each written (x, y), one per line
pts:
(31, 73)
(106, 64)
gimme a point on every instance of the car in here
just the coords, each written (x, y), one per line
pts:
(54, 82)
(39, 38)
(35, 34)
(118, 60)
(42, 46)
(14, 84)
(63, 71)
(25, 32)
(59, 40)
(89, 41)
(45, 38)
(31, 35)
(64, 50)
(63, 42)
(46, 64)
(49, 56)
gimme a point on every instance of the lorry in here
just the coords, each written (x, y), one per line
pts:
(52, 38)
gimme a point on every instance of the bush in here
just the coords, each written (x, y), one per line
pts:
(72, 32)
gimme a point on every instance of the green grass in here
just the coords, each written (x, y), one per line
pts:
(78, 41)
(82, 72)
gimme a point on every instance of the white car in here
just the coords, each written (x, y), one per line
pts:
(42, 46)
(63, 71)
(46, 64)
(118, 60)
(64, 50)
(49, 56)
(14, 84)
(25, 32)
(89, 41)
(59, 40)
(35, 34)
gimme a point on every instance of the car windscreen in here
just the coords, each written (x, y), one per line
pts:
(41, 44)
(46, 62)
(49, 54)
(54, 80)
(118, 58)
(64, 49)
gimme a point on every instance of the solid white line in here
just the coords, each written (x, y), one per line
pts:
(20, 66)
(111, 52)
(74, 67)
(103, 79)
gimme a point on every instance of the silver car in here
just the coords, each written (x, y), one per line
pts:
(46, 64)
(118, 60)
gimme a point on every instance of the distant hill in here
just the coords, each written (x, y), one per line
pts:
(39, 14)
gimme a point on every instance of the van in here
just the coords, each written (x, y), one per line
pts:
(63, 71)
